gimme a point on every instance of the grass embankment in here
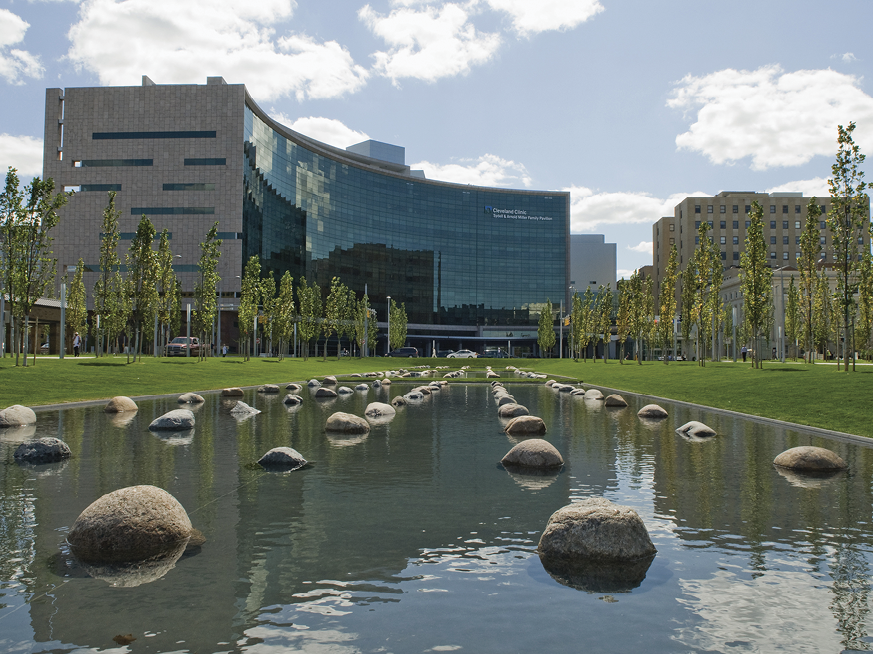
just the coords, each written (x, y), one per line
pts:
(812, 395)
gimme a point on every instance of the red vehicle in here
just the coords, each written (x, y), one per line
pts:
(178, 347)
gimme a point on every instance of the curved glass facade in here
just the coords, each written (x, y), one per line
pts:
(454, 254)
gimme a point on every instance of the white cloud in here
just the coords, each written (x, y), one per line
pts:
(776, 118)
(14, 62)
(534, 16)
(644, 247)
(623, 273)
(428, 44)
(815, 187)
(590, 210)
(488, 170)
(849, 58)
(23, 153)
(326, 130)
(184, 42)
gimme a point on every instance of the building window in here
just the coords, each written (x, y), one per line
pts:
(824, 209)
(748, 224)
(785, 256)
(696, 224)
(784, 208)
(723, 240)
(736, 208)
(823, 240)
(723, 255)
(85, 188)
(797, 240)
(736, 256)
(772, 240)
(796, 208)
(672, 227)
(736, 224)
(772, 224)
(784, 240)
(722, 224)
(171, 211)
(772, 255)
(823, 256)
(748, 208)
(736, 240)
(206, 162)
(772, 208)
(784, 224)
(722, 209)
(822, 224)
(111, 163)
(103, 136)
(860, 240)
(189, 187)
(696, 240)
(696, 208)
(672, 241)
(796, 224)
(797, 255)
(708, 208)
(709, 222)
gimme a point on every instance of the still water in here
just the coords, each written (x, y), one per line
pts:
(414, 539)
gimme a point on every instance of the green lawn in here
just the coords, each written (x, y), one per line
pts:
(812, 395)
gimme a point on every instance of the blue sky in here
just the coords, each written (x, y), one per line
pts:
(631, 105)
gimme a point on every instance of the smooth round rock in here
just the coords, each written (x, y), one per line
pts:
(615, 400)
(347, 423)
(565, 388)
(596, 529)
(525, 425)
(293, 387)
(413, 396)
(190, 398)
(399, 401)
(286, 458)
(345, 390)
(533, 453)
(593, 394)
(550, 382)
(379, 409)
(652, 411)
(512, 410)
(129, 524)
(324, 393)
(386, 382)
(505, 399)
(293, 399)
(313, 383)
(42, 450)
(243, 409)
(175, 420)
(233, 391)
(362, 387)
(268, 388)
(17, 416)
(120, 403)
(330, 380)
(810, 459)
(695, 428)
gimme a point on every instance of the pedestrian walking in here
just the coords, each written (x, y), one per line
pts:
(77, 343)
(224, 350)
(744, 352)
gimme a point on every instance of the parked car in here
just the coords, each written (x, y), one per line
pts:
(404, 352)
(496, 354)
(443, 353)
(463, 354)
(179, 346)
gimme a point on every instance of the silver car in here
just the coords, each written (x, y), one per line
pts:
(462, 354)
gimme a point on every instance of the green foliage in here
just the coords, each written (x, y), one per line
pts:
(309, 304)
(793, 322)
(166, 285)
(810, 246)
(270, 302)
(667, 301)
(366, 326)
(397, 327)
(337, 313)
(755, 281)
(623, 319)
(603, 318)
(283, 323)
(110, 300)
(77, 309)
(142, 280)
(205, 302)
(250, 297)
(546, 329)
(576, 325)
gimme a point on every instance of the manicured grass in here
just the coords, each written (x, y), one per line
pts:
(816, 395)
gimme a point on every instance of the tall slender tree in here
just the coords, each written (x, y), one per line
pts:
(667, 301)
(110, 300)
(848, 221)
(546, 329)
(205, 302)
(250, 298)
(603, 316)
(398, 323)
(309, 304)
(142, 282)
(623, 318)
(576, 325)
(755, 281)
(335, 313)
(166, 287)
(283, 326)
(810, 246)
(689, 284)
(77, 302)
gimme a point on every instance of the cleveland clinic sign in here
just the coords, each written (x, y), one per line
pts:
(513, 214)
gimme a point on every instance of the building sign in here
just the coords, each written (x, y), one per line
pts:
(513, 214)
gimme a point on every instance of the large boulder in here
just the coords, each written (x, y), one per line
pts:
(505, 399)
(190, 398)
(596, 529)
(533, 453)
(129, 524)
(325, 393)
(241, 409)
(525, 426)
(512, 410)
(652, 411)
(175, 420)
(362, 387)
(313, 383)
(615, 401)
(291, 399)
(17, 416)
(293, 387)
(413, 396)
(345, 390)
(120, 403)
(330, 380)
(270, 389)
(593, 394)
(346, 423)
(378, 410)
(807, 458)
(386, 382)
(233, 391)
(284, 458)
(42, 450)
(399, 401)
(696, 429)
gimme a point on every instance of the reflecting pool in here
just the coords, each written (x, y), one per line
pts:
(414, 539)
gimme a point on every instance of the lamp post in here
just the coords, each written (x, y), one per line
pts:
(389, 324)
(188, 333)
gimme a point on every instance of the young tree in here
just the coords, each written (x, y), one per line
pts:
(110, 301)
(865, 301)
(166, 287)
(755, 281)
(587, 320)
(142, 282)
(648, 307)
(26, 218)
(205, 303)
(283, 326)
(546, 329)
(603, 318)
(810, 246)
(689, 284)
(576, 325)
(250, 297)
(270, 302)
(847, 220)
(309, 303)
(623, 319)
(366, 327)
(336, 313)
(77, 308)
(793, 323)
(667, 301)
(398, 322)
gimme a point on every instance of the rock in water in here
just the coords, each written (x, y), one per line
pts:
(42, 450)
(291, 399)
(347, 423)
(399, 401)
(697, 429)
(175, 420)
(512, 410)
(593, 394)
(596, 529)
(379, 409)
(129, 524)
(615, 400)
(533, 453)
(652, 411)
(243, 409)
(293, 387)
(268, 389)
(525, 426)
(810, 459)
(324, 393)
(17, 416)
(191, 398)
(120, 403)
(233, 391)
(285, 458)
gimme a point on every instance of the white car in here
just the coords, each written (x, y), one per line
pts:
(462, 354)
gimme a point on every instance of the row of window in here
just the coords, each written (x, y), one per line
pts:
(224, 236)
(172, 211)
(748, 208)
(119, 163)
(185, 134)
(736, 224)
(90, 188)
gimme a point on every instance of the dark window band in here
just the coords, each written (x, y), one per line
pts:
(171, 211)
(129, 236)
(183, 267)
(229, 236)
(112, 163)
(189, 187)
(102, 136)
(206, 162)
(85, 188)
